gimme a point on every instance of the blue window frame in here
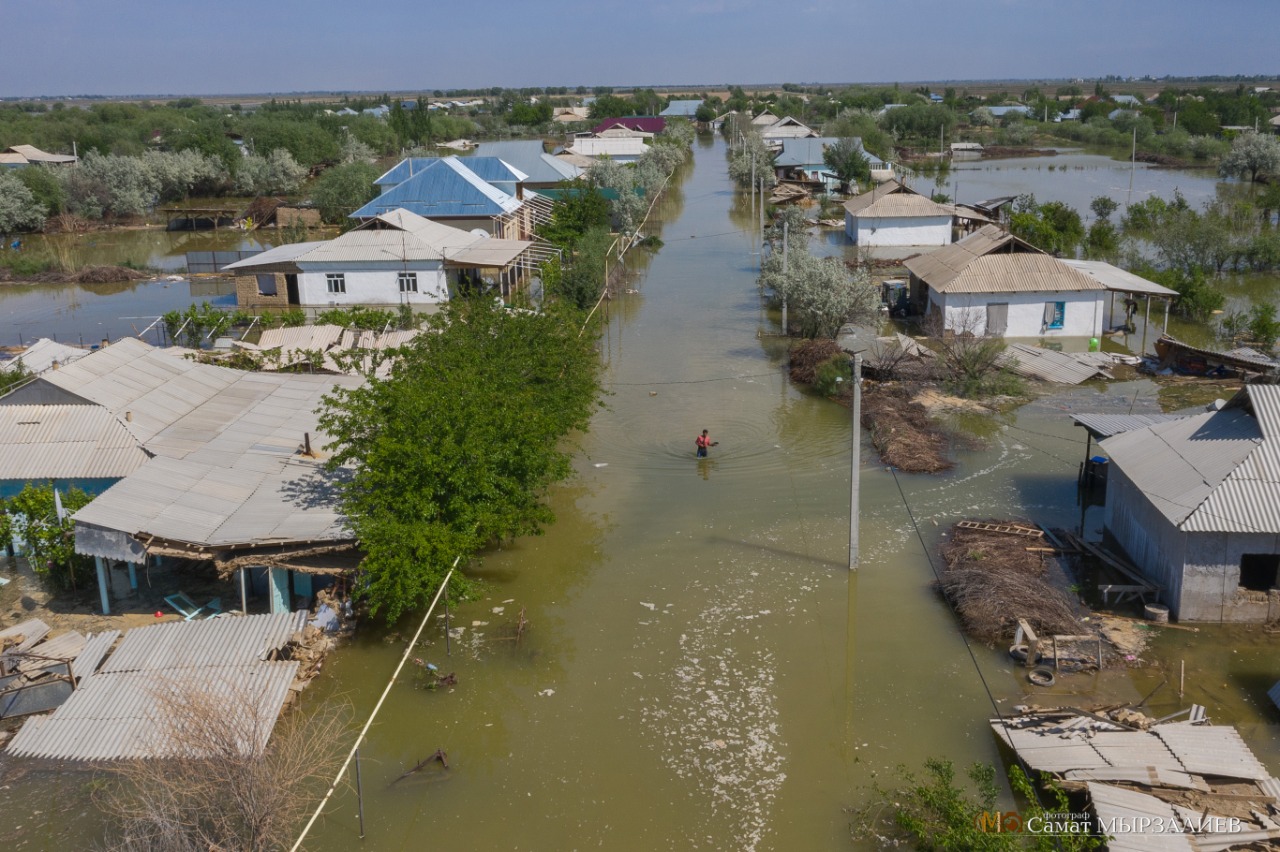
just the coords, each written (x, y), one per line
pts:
(1054, 314)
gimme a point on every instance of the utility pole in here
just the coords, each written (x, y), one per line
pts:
(855, 465)
(1133, 165)
(786, 226)
(761, 255)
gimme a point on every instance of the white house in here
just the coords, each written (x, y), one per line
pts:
(893, 214)
(394, 258)
(786, 128)
(993, 283)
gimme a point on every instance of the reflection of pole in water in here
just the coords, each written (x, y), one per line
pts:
(854, 467)
(1133, 165)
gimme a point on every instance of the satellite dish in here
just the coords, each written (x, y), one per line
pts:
(480, 232)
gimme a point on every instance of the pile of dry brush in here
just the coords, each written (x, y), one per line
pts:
(88, 275)
(902, 431)
(992, 580)
(808, 355)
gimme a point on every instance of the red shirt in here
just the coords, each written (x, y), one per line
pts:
(703, 441)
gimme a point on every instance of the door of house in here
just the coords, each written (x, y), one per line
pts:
(997, 318)
(291, 288)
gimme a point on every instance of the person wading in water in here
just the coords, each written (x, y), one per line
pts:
(704, 442)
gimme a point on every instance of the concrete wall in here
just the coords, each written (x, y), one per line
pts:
(914, 231)
(1082, 316)
(374, 283)
(1199, 572)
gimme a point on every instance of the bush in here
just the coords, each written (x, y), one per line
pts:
(277, 173)
(19, 208)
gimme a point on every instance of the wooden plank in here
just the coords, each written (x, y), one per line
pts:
(1115, 563)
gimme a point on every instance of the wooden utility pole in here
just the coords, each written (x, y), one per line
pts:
(855, 465)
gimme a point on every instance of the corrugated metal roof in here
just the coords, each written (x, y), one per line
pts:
(445, 187)
(788, 127)
(492, 253)
(614, 148)
(1150, 776)
(1211, 750)
(861, 202)
(1178, 464)
(42, 355)
(488, 167)
(1107, 425)
(65, 442)
(220, 503)
(124, 715)
(228, 641)
(643, 123)
(902, 206)
(91, 655)
(1048, 365)
(683, 108)
(1114, 805)
(809, 151)
(65, 647)
(528, 156)
(942, 265)
(1117, 279)
(1020, 272)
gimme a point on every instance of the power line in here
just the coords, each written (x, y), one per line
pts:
(967, 645)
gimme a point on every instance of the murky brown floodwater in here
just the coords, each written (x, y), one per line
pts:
(701, 670)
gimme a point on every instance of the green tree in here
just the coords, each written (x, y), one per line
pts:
(578, 209)
(458, 447)
(19, 209)
(51, 540)
(1054, 227)
(342, 189)
(1251, 155)
(1103, 207)
(846, 159)
(276, 173)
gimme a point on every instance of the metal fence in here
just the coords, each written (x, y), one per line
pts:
(214, 261)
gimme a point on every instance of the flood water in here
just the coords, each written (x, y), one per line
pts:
(700, 668)
(87, 313)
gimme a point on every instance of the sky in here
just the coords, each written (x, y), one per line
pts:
(145, 47)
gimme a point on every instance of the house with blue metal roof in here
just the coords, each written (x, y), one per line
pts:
(449, 190)
(1002, 111)
(803, 159)
(682, 109)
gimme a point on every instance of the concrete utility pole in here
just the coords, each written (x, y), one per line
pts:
(760, 256)
(855, 466)
(786, 226)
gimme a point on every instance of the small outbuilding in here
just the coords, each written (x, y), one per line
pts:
(1195, 503)
(893, 214)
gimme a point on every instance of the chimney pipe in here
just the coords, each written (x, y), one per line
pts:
(306, 442)
(128, 417)
(105, 342)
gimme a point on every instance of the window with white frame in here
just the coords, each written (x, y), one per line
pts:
(1054, 314)
(336, 282)
(408, 282)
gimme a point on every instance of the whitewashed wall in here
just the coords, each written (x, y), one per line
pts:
(912, 231)
(1082, 317)
(374, 284)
